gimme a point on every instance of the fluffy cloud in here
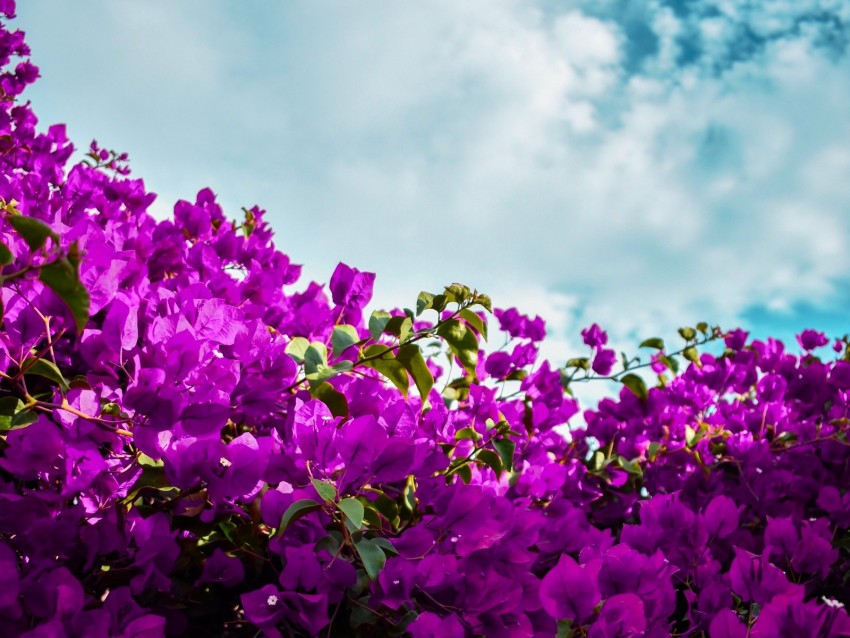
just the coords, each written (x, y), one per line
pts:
(633, 165)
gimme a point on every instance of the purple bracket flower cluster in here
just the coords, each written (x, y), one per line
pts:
(191, 446)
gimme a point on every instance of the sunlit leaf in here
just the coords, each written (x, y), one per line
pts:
(34, 231)
(297, 348)
(325, 489)
(353, 510)
(637, 385)
(297, 510)
(343, 337)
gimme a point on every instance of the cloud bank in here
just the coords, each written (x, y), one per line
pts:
(640, 166)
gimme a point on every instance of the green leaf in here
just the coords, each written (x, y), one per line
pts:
(484, 302)
(634, 383)
(34, 231)
(427, 301)
(475, 321)
(63, 278)
(580, 362)
(597, 461)
(411, 359)
(331, 397)
(362, 615)
(464, 472)
(79, 382)
(6, 256)
(297, 510)
(316, 364)
(370, 517)
(458, 293)
(325, 489)
(343, 337)
(315, 356)
(331, 543)
(462, 342)
(377, 323)
(399, 327)
(565, 628)
(632, 467)
(490, 459)
(652, 451)
(229, 529)
(46, 369)
(467, 433)
(372, 555)
(353, 510)
(386, 545)
(385, 505)
(653, 342)
(297, 348)
(691, 354)
(409, 494)
(323, 373)
(22, 418)
(423, 302)
(9, 406)
(506, 448)
(387, 366)
(670, 362)
(687, 333)
(145, 461)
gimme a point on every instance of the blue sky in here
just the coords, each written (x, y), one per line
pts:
(643, 165)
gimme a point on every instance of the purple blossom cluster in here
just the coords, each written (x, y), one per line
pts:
(190, 446)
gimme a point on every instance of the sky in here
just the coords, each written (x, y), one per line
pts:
(643, 165)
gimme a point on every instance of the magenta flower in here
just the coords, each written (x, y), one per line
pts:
(569, 590)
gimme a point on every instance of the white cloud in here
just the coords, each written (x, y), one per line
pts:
(495, 143)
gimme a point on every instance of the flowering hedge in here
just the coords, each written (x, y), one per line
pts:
(188, 447)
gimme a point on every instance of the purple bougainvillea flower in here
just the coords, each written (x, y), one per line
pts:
(726, 624)
(811, 340)
(223, 569)
(167, 459)
(428, 625)
(788, 617)
(265, 608)
(594, 336)
(755, 579)
(603, 361)
(33, 450)
(622, 616)
(520, 326)
(10, 585)
(302, 570)
(498, 364)
(54, 593)
(350, 287)
(570, 591)
(736, 339)
(721, 517)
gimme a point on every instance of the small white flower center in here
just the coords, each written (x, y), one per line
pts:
(396, 582)
(224, 462)
(271, 601)
(831, 602)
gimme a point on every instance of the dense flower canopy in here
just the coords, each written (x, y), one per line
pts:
(189, 446)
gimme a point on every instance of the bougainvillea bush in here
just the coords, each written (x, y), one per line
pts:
(191, 447)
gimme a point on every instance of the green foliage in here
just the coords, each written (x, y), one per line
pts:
(298, 509)
(35, 232)
(637, 385)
